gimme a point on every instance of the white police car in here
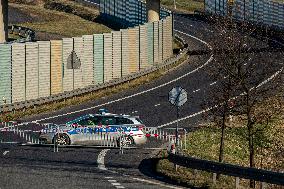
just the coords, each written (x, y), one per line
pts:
(94, 129)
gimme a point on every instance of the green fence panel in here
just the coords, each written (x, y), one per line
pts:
(98, 58)
(88, 60)
(5, 74)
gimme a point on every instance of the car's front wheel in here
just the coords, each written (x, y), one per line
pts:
(61, 139)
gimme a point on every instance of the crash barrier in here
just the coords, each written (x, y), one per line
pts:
(260, 12)
(229, 170)
(25, 34)
(39, 72)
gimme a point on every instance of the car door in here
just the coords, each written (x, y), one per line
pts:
(85, 130)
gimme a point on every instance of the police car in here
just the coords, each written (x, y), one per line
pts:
(86, 129)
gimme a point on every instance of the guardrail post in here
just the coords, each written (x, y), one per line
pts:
(237, 182)
(185, 137)
(214, 178)
(263, 185)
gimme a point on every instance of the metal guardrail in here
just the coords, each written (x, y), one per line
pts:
(26, 34)
(92, 88)
(228, 169)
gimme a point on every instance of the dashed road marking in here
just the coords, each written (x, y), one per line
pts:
(101, 159)
(157, 105)
(213, 83)
(196, 90)
(5, 153)
(115, 183)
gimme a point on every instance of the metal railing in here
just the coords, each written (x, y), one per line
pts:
(228, 169)
(25, 34)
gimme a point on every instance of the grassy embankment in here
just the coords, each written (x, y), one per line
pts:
(204, 144)
(187, 6)
(61, 23)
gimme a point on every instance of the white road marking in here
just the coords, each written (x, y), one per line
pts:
(156, 183)
(213, 83)
(195, 38)
(157, 105)
(196, 90)
(101, 159)
(139, 93)
(213, 107)
(112, 180)
(108, 177)
(6, 152)
(116, 184)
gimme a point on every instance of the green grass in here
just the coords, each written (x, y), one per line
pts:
(204, 144)
(184, 5)
(67, 25)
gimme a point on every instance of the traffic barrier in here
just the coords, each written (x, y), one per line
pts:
(228, 169)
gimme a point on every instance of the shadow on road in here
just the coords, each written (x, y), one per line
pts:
(148, 168)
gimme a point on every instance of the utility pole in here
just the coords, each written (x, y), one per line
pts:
(3, 21)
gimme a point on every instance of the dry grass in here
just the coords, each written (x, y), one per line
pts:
(67, 25)
(184, 5)
(204, 144)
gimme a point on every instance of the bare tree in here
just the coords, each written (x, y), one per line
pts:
(247, 76)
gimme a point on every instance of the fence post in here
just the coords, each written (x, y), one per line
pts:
(185, 133)
(237, 182)
(214, 178)
(263, 185)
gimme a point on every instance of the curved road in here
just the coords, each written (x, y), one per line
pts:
(31, 167)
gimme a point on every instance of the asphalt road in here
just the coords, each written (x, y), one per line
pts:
(33, 167)
(150, 101)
